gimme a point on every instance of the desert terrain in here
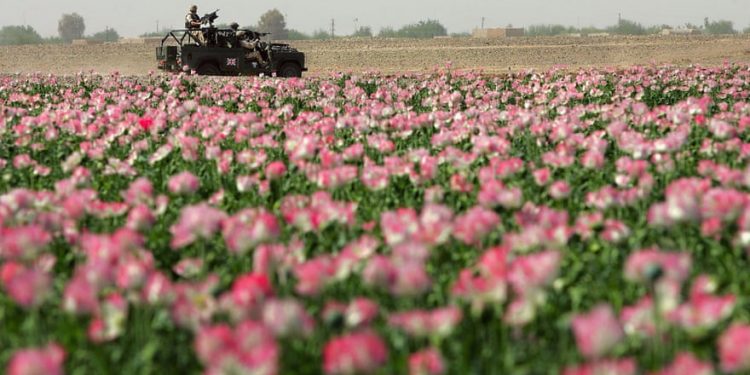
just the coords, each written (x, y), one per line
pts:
(403, 55)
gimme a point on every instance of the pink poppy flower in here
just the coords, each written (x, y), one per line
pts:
(275, 170)
(360, 312)
(183, 183)
(597, 331)
(626, 366)
(687, 364)
(28, 287)
(287, 317)
(48, 361)
(356, 353)
(734, 349)
(196, 222)
(426, 362)
(249, 228)
(313, 275)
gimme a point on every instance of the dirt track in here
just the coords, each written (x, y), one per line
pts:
(391, 55)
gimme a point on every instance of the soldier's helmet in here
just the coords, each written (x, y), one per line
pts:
(234, 26)
(193, 8)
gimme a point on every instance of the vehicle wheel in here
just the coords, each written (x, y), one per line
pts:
(208, 69)
(289, 70)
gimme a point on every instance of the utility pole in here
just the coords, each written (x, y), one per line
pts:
(483, 23)
(356, 25)
(157, 26)
(333, 27)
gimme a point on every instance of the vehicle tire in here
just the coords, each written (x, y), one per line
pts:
(290, 70)
(208, 69)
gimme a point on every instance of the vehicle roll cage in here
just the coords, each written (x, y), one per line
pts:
(180, 35)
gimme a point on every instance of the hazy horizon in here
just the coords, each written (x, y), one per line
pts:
(135, 17)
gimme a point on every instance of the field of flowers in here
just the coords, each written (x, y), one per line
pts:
(585, 222)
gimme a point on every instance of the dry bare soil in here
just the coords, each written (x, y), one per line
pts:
(399, 55)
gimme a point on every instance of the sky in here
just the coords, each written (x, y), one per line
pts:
(134, 17)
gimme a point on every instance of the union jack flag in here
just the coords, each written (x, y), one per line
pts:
(232, 62)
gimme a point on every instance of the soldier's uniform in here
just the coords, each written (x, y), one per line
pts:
(251, 45)
(193, 22)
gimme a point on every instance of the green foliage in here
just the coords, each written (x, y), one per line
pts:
(590, 30)
(656, 29)
(273, 22)
(152, 34)
(719, 27)
(14, 35)
(321, 34)
(482, 343)
(422, 29)
(388, 32)
(363, 32)
(627, 27)
(53, 40)
(297, 35)
(71, 26)
(108, 35)
(550, 30)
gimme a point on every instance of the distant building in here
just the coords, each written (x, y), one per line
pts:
(500, 32)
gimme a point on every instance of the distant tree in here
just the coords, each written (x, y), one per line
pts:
(53, 40)
(627, 27)
(656, 29)
(423, 29)
(152, 34)
(719, 27)
(71, 26)
(321, 34)
(296, 35)
(109, 35)
(13, 35)
(463, 34)
(363, 32)
(746, 30)
(388, 32)
(273, 22)
(590, 30)
(548, 30)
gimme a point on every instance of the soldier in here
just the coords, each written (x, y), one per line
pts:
(193, 20)
(251, 45)
(193, 23)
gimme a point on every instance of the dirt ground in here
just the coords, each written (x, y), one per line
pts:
(399, 55)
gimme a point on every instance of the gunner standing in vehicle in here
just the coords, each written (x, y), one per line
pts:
(251, 45)
(193, 23)
(193, 20)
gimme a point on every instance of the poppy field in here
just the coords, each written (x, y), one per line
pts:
(594, 221)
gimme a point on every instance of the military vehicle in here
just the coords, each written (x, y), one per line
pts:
(216, 51)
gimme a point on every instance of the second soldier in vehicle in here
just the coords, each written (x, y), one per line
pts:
(246, 42)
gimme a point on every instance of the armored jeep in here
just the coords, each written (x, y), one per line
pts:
(215, 51)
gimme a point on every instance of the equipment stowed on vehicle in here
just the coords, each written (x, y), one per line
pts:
(220, 53)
